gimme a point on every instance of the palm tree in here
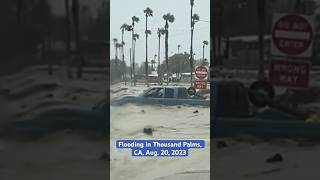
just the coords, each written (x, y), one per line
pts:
(153, 63)
(194, 18)
(134, 20)
(149, 13)
(168, 18)
(191, 48)
(135, 37)
(161, 31)
(179, 46)
(115, 41)
(68, 38)
(19, 11)
(75, 13)
(124, 27)
(261, 24)
(205, 43)
(118, 49)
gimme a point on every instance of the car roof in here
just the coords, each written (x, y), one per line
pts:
(167, 87)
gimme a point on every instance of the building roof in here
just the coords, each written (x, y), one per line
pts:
(250, 38)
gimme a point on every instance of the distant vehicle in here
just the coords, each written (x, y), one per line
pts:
(166, 95)
(66, 117)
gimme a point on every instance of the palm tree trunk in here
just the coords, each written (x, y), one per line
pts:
(68, 67)
(124, 65)
(203, 54)
(19, 12)
(146, 65)
(191, 48)
(115, 51)
(77, 37)
(261, 18)
(159, 77)
(49, 57)
(167, 61)
(130, 67)
(133, 64)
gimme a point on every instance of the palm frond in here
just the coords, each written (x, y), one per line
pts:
(148, 11)
(148, 32)
(195, 17)
(135, 19)
(136, 36)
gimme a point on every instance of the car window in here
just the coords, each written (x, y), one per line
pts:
(155, 93)
(182, 93)
(169, 93)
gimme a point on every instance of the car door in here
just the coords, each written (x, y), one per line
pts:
(182, 96)
(170, 96)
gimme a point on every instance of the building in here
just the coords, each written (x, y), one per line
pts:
(244, 50)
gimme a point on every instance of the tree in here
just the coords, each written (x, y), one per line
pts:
(153, 63)
(119, 52)
(124, 27)
(194, 18)
(148, 13)
(205, 43)
(134, 20)
(160, 32)
(168, 18)
(178, 63)
(262, 20)
(115, 41)
(135, 37)
(68, 38)
(43, 17)
(75, 17)
(118, 47)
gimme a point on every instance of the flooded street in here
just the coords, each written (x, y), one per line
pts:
(168, 122)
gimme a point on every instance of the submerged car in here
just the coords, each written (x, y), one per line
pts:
(238, 110)
(67, 116)
(166, 95)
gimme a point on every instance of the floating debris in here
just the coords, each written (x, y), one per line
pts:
(275, 158)
(148, 130)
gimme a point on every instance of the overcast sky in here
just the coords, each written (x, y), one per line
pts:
(121, 12)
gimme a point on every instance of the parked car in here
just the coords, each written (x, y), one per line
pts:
(166, 95)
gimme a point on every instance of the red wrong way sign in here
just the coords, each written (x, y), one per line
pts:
(201, 72)
(294, 74)
(292, 35)
(200, 84)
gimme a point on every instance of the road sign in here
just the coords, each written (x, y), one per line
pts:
(292, 35)
(288, 73)
(201, 72)
(200, 84)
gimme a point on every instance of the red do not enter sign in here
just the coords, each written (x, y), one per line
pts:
(201, 72)
(292, 34)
